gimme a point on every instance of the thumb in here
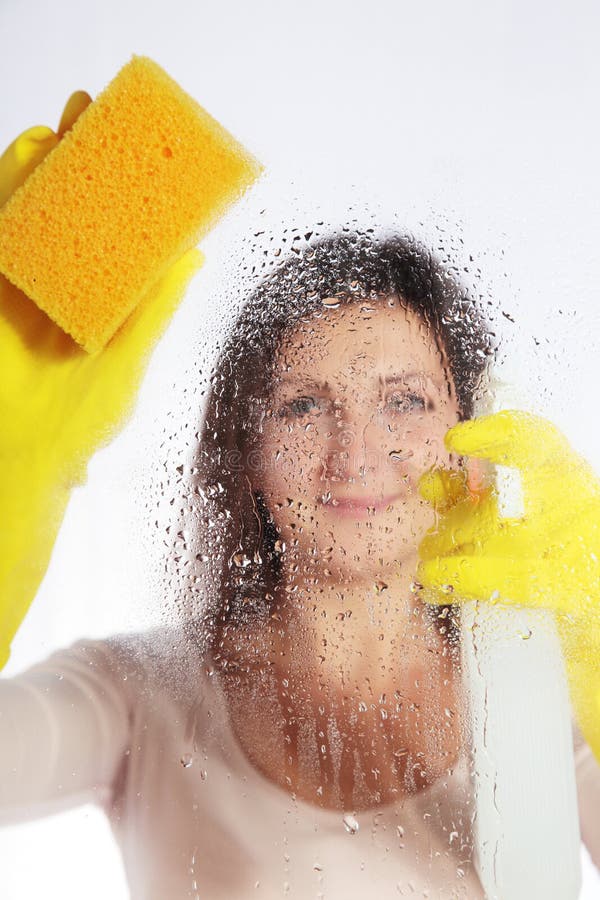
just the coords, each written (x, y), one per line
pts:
(443, 488)
(75, 105)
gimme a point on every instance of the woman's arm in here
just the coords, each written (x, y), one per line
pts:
(64, 729)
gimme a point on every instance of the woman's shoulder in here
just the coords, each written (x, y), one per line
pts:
(148, 662)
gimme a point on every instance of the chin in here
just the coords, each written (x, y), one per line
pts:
(350, 545)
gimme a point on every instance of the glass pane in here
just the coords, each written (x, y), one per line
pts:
(232, 682)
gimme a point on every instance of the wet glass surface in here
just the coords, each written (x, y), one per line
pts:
(262, 701)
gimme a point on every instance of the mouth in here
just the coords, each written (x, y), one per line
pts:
(359, 507)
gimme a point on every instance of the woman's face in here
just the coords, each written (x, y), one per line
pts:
(359, 409)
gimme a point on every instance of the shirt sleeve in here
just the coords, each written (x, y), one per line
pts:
(587, 773)
(64, 729)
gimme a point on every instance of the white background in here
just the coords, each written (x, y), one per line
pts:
(477, 119)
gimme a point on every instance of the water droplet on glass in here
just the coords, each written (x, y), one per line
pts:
(401, 455)
(330, 302)
(186, 760)
(350, 824)
(241, 560)
(380, 586)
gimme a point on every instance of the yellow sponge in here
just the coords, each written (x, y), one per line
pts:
(142, 175)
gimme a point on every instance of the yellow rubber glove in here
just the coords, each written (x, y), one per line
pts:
(550, 557)
(58, 404)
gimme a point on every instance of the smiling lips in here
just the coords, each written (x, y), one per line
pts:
(359, 506)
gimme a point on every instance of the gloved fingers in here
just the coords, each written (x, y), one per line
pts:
(566, 559)
(510, 438)
(453, 579)
(443, 487)
(22, 156)
(75, 105)
(553, 476)
(462, 529)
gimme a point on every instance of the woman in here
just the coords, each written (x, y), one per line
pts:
(352, 374)
(301, 733)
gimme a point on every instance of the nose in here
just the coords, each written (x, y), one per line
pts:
(357, 448)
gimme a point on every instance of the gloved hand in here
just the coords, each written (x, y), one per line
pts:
(550, 557)
(58, 404)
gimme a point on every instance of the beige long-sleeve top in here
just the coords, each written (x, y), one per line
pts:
(132, 724)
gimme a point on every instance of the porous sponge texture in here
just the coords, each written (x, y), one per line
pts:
(142, 175)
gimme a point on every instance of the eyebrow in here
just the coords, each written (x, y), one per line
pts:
(394, 379)
(397, 378)
(306, 382)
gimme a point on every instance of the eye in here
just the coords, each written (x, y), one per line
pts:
(409, 402)
(300, 406)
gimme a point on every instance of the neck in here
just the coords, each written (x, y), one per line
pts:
(361, 632)
(357, 657)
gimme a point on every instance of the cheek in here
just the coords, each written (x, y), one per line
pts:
(291, 479)
(431, 438)
(421, 439)
(290, 457)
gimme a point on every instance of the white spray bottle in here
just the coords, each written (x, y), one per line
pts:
(527, 826)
